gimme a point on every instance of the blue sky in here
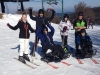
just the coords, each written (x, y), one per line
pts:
(68, 5)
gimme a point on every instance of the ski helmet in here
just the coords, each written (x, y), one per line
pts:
(45, 28)
(66, 16)
(41, 11)
(83, 31)
(80, 14)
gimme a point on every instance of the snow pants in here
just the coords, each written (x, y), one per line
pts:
(64, 40)
(24, 46)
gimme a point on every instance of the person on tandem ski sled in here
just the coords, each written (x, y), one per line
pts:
(56, 51)
(84, 45)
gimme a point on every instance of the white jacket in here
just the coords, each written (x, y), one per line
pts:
(61, 26)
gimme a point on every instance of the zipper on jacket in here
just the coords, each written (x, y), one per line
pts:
(26, 28)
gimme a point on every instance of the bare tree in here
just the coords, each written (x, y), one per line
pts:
(1, 15)
(88, 12)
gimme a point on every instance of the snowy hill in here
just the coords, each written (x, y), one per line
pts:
(9, 46)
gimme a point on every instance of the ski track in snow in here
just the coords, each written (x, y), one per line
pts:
(9, 46)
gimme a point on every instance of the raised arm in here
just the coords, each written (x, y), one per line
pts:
(52, 16)
(13, 28)
(30, 14)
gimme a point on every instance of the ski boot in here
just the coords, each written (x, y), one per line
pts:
(21, 59)
(26, 57)
(45, 59)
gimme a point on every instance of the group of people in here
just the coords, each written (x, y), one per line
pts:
(41, 31)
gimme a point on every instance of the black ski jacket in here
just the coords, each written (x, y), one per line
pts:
(41, 20)
(24, 29)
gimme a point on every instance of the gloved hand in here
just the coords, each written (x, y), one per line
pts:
(34, 31)
(65, 28)
(50, 9)
(30, 10)
(8, 25)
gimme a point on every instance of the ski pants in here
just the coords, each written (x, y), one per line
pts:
(24, 46)
(76, 45)
(64, 40)
(90, 25)
(56, 49)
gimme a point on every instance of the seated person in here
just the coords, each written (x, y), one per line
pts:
(84, 43)
(47, 41)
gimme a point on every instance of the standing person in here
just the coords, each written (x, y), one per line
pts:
(79, 23)
(64, 27)
(24, 35)
(88, 20)
(40, 20)
(90, 24)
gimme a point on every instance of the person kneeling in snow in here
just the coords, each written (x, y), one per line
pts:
(84, 44)
(47, 42)
(24, 35)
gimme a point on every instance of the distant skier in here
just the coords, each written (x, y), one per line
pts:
(79, 23)
(64, 26)
(24, 35)
(90, 23)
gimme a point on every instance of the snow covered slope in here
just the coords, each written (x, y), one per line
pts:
(9, 46)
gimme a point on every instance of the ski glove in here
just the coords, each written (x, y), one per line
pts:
(30, 10)
(33, 31)
(8, 25)
(65, 28)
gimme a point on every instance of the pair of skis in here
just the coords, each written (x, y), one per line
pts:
(27, 63)
(67, 64)
(32, 54)
(56, 67)
(94, 61)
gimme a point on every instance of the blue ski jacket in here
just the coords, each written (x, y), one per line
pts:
(43, 37)
(81, 40)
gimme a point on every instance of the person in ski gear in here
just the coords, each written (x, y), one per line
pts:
(41, 20)
(47, 41)
(24, 35)
(79, 23)
(90, 23)
(64, 26)
(84, 42)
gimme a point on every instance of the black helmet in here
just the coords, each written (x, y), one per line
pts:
(45, 28)
(83, 31)
(66, 16)
(80, 14)
(41, 11)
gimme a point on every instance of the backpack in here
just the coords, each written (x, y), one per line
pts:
(87, 50)
(66, 53)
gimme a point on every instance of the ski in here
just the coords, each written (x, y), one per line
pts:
(66, 63)
(26, 64)
(94, 61)
(53, 66)
(33, 63)
(79, 61)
